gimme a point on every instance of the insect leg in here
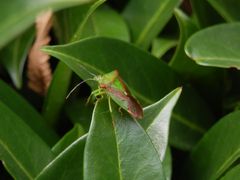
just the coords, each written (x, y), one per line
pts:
(120, 110)
(109, 103)
(94, 94)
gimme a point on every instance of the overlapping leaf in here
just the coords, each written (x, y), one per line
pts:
(156, 121)
(27, 113)
(216, 46)
(14, 56)
(153, 80)
(207, 80)
(229, 10)
(12, 23)
(113, 144)
(232, 174)
(161, 45)
(23, 153)
(205, 14)
(76, 132)
(217, 150)
(68, 164)
(68, 23)
(146, 19)
(103, 22)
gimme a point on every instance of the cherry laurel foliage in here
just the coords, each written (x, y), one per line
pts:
(179, 59)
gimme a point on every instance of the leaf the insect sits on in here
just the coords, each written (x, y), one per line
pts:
(112, 84)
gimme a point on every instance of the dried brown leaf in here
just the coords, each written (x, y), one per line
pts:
(39, 70)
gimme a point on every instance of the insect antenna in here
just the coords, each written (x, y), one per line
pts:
(90, 79)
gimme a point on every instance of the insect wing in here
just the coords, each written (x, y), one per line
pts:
(134, 108)
(126, 102)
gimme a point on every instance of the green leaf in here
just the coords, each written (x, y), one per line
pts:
(14, 55)
(112, 149)
(167, 164)
(149, 85)
(12, 24)
(74, 21)
(105, 22)
(180, 62)
(27, 113)
(69, 22)
(78, 57)
(217, 150)
(57, 93)
(216, 46)
(232, 174)
(68, 164)
(76, 132)
(229, 9)
(23, 153)
(146, 19)
(156, 121)
(161, 45)
(188, 125)
(204, 13)
(207, 80)
(78, 112)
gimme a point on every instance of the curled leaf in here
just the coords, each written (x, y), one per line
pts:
(39, 71)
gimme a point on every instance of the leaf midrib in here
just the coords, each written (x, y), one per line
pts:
(227, 162)
(151, 23)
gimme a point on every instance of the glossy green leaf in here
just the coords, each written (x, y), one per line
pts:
(112, 149)
(229, 9)
(217, 150)
(146, 19)
(27, 113)
(68, 164)
(12, 23)
(105, 22)
(216, 46)
(161, 45)
(232, 174)
(156, 121)
(14, 56)
(79, 58)
(76, 132)
(23, 153)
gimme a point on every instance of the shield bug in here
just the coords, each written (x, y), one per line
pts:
(114, 87)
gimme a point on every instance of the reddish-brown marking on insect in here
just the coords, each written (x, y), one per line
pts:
(133, 107)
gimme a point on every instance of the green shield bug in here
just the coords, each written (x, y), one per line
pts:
(114, 87)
